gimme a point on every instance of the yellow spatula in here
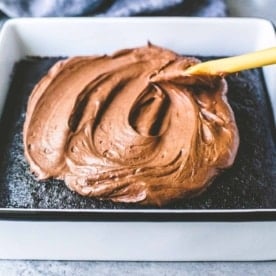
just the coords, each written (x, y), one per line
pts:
(234, 64)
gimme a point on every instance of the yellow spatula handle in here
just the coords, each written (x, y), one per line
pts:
(234, 64)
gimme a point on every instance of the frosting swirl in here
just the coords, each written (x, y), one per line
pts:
(120, 127)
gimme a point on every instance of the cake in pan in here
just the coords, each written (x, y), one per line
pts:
(122, 128)
(248, 184)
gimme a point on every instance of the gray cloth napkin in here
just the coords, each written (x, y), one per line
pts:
(38, 8)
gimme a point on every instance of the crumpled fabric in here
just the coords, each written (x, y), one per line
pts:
(58, 8)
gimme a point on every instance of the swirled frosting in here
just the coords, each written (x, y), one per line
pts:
(129, 128)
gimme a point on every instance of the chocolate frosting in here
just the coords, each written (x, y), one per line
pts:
(129, 128)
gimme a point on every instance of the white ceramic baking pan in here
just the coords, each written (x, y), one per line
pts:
(24, 235)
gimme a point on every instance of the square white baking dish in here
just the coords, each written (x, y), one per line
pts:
(41, 234)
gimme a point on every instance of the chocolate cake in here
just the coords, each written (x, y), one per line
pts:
(128, 127)
(250, 183)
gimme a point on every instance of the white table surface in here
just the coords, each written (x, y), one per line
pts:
(50, 268)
